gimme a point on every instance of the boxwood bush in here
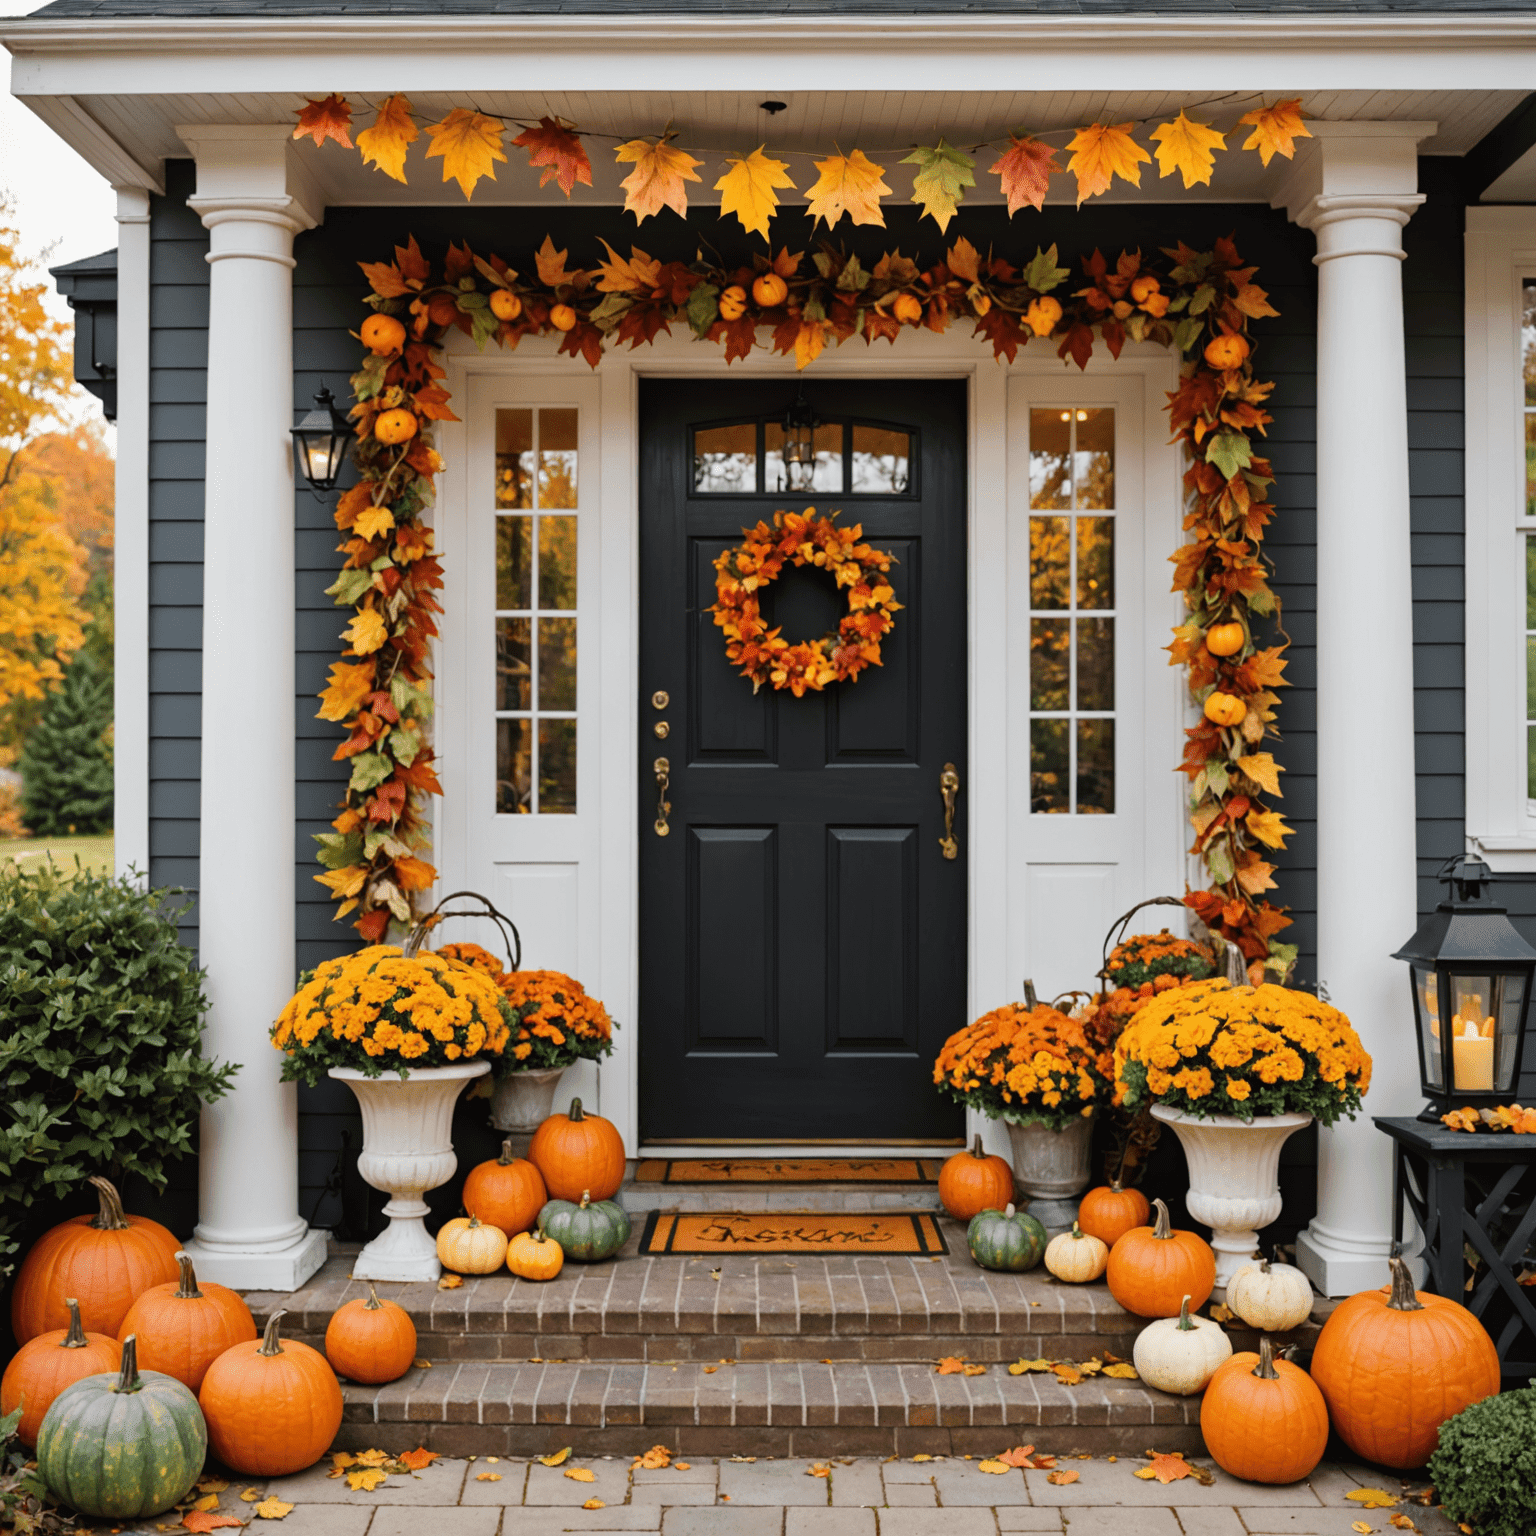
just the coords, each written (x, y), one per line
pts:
(101, 1016)
(1484, 1469)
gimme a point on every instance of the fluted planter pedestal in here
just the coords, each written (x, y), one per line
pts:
(1234, 1178)
(1052, 1168)
(407, 1150)
(522, 1102)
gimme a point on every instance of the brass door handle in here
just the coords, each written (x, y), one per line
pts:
(949, 787)
(663, 770)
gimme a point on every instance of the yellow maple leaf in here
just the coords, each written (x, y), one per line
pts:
(208, 1501)
(749, 189)
(1361, 1526)
(1269, 827)
(392, 132)
(273, 1509)
(340, 1461)
(850, 184)
(1262, 768)
(469, 144)
(809, 340)
(1121, 1370)
(212, 1485)
(366, 1480)
(637, 275)
(1372, 1498)
(922, 1456)
(998, 1467)
(1101, 152)
(580, 1475)
(366, 633)
(1187, 147)
(1222, 1313)
(660, 169)
(555, 1458)
(374, 521)
(594, 1504)
(1275, 129)
(975, 1370)
(343, 883)
(247, 1495)
(1019, 1367)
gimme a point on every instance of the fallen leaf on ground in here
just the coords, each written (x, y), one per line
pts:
(556, 1458)
(975, 1370)
(581, 1475)
(417, 1459)
(1019, 1367)
(206, 1520)
(1045, 1461)
(447, 1283)
(366, 1480)
(249, 1495)
(1067, 1374)
(1222, 1314)
(1017, 1457)
(273, 1509)
(657, 1456)
(1121, 1371)
(371, 1458)
(211, 1485)
(1402, 1522)
(992, 1465)
(683, 1466)
(1061, 1478)
(208, 1501)
(709, 1370)
(1166, 1469)
(818, 1469)
(594, 1504)
(487, 1477)
(950, 1365)
(1372, 1498)
(921, 1456)
(1361, 1526)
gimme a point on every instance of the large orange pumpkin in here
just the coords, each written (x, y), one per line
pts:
(578, 1154)
(971, 1182)
(1109, 1212)
(107, 1260)
(371, 1341)
(183, 1327)
(44, 1366)
(506, 1192)
(1152, 1269)
(1395, 1364)
(272, 1407)
(1264, 1419)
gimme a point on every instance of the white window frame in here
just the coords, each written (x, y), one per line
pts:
(1500, 815)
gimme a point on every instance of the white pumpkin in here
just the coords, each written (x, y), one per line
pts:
(1180, 1354)
(1076, 1257)
(1270, 1297)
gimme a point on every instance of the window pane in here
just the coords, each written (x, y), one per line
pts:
(557, 458)
(725, 458)
(1095, 469)
(1048, 562)
(557, 663)
(1530, 583)
(1095, 562)
(881, 461)
(557, 562)
(1050, 465)
(1048, 770)
(1095, 663)
(1048, 662)
(514, 562)
(514, 458)
(1528, 342)
(827, 466)
(557, 767)
(1530, 463)
(1095, 767)
(1530, 761)
(514, 671)
(514, 768)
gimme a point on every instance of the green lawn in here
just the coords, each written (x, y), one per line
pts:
(95, 853)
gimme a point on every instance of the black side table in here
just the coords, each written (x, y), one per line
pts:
(1473, 1189)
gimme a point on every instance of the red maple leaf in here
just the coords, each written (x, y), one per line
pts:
(322, 120)
(555, 147)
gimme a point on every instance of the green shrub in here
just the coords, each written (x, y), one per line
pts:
(101, 1013)
(1485, 1468)
(66, 765)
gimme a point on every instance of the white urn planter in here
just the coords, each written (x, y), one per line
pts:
(407, 1150)
(1234, 1178)
(1050, 1164)
(523, 1101)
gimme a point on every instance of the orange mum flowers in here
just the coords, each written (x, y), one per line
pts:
(557, 1023)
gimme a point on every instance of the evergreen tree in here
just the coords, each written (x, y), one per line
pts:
(66, 766)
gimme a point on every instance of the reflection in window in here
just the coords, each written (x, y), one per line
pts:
(826, 466)
(725, 459)
(1528, 354)
(536, 496)
(1072, 620)
(746, 458)
(881, 460)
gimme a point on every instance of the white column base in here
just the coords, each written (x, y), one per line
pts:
(1342, 1263)
(261, 1269)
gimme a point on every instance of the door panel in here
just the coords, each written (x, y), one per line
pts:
(802, 936)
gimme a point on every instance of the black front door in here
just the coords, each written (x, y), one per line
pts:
(802, 934)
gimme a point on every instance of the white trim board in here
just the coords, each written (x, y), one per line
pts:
(997, 795)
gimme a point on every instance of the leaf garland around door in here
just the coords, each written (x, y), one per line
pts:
(1199, 303)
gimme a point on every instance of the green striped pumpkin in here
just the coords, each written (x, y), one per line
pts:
(591, 1230)
(122, 1447)
(1008, 1240)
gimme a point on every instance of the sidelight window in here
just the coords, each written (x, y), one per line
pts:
(535, 553)
(1072, 611)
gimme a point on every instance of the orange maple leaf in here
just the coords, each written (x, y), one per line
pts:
(951, 1365)
(417, 1459)
(1166, 1468)
(1019, 1456)
(468, 143)
(384, 143)
(1025, 167)
(206, 1520)
(1275, 129)
(657, 179)
(851, 184)
(1101, 152)
(328, 119)
(558, 150)
(1061, 1478)
(348, 687)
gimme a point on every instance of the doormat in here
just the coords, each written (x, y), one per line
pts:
(900, 1232)
(788, 1170)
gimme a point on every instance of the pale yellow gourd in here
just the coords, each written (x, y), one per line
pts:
(471, 1247)
(1180, 1354)
(1270, 1297)
(1076, 1256)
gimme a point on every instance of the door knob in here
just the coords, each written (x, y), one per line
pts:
(663, 771)
(949, 787)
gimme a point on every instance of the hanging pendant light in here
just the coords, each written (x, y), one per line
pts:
(800, 424)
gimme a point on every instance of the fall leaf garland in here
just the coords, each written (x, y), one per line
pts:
(1198, 303)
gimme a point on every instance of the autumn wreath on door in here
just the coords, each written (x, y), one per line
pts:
(803, 539)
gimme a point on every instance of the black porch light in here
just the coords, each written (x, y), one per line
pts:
(800, 423)
(1471, 976)
(320, 443)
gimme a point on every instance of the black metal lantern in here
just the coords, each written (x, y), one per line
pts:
(800, 423)
(1471, 975)
(320, 443)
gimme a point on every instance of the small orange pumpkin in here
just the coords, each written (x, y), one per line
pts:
(505, 305)
(107, 1260)
(1395, 1364)
(532, 1256)
(1110, 1211)
(1263, 1419)
(1225, 709)
(506, 1192)
(733, 303)
(971, 1182)
(908, 308)
(578, 1153)
(1227, 351)
(383, 335)
(1042, 315)
(396, 426)
(184, 1328)
(44, 1366)
(562, 317)
(770, 290)
(272, 1407)
(1151, 1269)
(370, 1341)
(1225, 639)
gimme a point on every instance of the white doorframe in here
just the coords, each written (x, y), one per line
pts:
(609, 543)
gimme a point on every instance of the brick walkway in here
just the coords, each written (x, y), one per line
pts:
(866, 1497)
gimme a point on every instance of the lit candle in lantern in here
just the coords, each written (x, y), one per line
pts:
(1471, 1057)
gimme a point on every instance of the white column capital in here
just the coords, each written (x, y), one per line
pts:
(132, 205)
(1356, 169)
(1358, 223)
(251, 170)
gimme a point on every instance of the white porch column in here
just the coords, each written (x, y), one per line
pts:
(250, 1232)
(1355, 188)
